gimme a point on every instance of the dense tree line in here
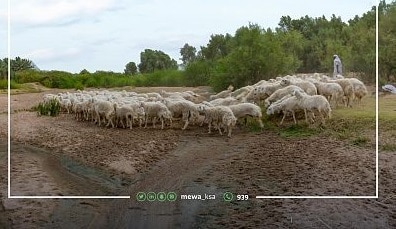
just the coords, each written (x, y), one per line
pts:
(387, 41)
(304, 45)
(252, 53)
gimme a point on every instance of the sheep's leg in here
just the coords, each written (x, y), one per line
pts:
(283, 118)
(219, 128)
(210, 125)
(294, 117)
(229, 131)
(122, 123)
(98, 117)
(145, 120)
(162, 123)
(185, 125)
(154, 121)
(306, 117)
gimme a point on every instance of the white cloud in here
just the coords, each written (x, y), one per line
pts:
(52, 54)
(41, 12)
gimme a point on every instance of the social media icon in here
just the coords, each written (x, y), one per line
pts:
(141, 196)
(228, 196)
(151, 196)
(161, 196)
(171, 196)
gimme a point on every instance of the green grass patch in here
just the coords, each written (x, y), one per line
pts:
(13, 84)
(50, 108)
(388, 147)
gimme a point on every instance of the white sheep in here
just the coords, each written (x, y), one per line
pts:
(347, 87)
(243, 110)
(260, 93)
(307, 86)
(332, 91)
(359, 88)
(287, 105)
(105, 110)
(222, 94)
(129, 112)
(312, 103)
(220, 116)
(187, 110)
(280, 93)
(156, 110)
(242, 90)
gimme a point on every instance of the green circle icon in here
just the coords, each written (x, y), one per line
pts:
(228, 196)
(171, 196)
(141, 196)
(161, 196)
(151, 196)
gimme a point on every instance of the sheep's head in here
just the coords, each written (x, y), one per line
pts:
(230, 88)
(270, 110)
(285, 82)
(267, 103)
(140, 112)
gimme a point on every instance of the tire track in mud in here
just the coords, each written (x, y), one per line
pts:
(182, 173)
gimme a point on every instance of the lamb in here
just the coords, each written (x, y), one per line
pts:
(156, 110)
(307, 86)
(288, 104)
(261, 92)
(332, 91)
(280, 93)
(242, 90)
(106, 110)
(65, 104)
(220, 116)
(184, 108)
(247, 109)
(347, 87)
(314, 102)
(223, 94)
(359, 89)
(129, 112)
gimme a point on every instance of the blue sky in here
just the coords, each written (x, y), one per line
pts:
(71, 35)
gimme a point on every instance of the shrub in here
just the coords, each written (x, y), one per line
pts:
(50, 108)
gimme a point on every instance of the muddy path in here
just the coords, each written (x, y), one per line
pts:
(240, 166)
(181, 174)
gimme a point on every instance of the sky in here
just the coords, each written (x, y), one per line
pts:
(71, 35)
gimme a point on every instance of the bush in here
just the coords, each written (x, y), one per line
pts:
(50, 108)
(13, 84)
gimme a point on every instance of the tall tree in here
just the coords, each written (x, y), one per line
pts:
(387, 41)
(4, 68)
(188, 53)
(151, 60)
(19, 64)
(130, 68)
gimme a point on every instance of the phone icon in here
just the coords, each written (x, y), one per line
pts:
(228, 196)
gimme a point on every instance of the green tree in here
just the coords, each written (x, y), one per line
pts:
(19, 64)
(188, 53)
(387, 41)
(219, 46)
(84, 72)
(151, 60)
(4, 68)
(130, 68)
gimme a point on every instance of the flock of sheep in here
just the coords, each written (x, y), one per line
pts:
(315, 95)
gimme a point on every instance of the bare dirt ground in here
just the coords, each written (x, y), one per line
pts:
(60, 156)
